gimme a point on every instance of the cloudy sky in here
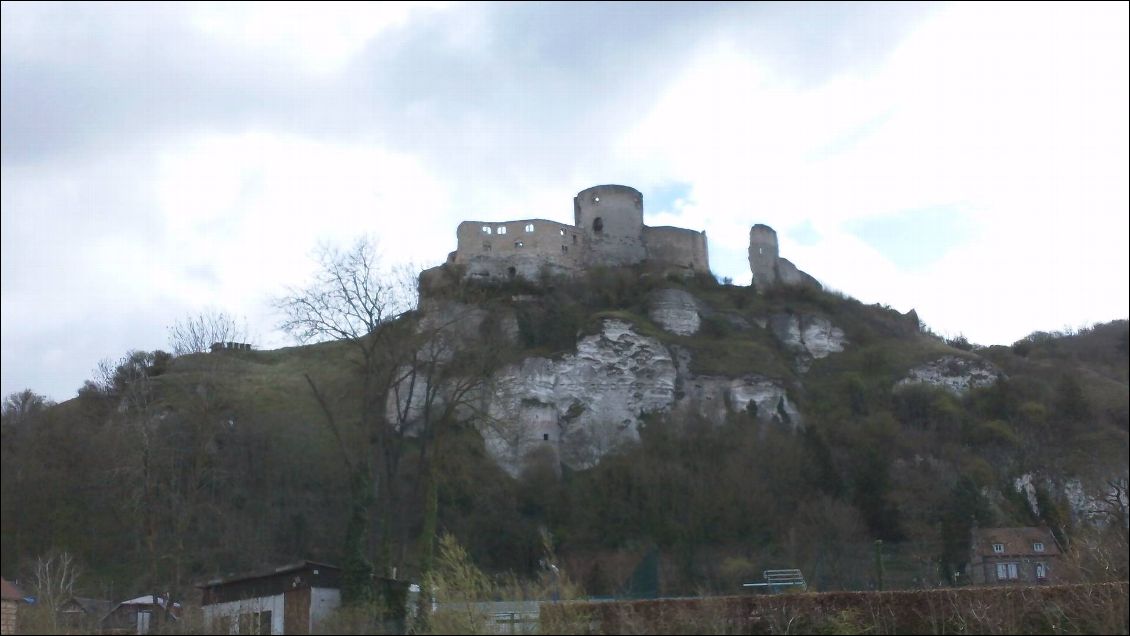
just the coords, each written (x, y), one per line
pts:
(968, 161)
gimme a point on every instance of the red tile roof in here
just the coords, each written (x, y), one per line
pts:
(11, 592)
(1016, 541)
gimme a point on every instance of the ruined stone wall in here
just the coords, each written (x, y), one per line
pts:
(518, 248)
(676, 246)
(611, 216)
(763, 253)
(766, 265)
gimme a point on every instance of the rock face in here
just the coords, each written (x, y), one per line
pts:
(811, 337)
(584, 405)
(676, 311)
(713, 398)
(954, 374)
(1097, 504)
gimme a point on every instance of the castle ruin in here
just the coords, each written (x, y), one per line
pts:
(607, 230)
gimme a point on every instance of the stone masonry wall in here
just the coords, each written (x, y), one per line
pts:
(677, 246)
(491, 249)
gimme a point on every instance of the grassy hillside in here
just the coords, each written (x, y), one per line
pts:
(226, 461)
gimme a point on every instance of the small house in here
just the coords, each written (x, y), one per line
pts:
(12, 598)
(289, 599)
(141, 615)
(1003, 556)
(80, 613)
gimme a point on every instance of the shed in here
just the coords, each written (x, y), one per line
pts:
(12, 597)
(82, 613)
(140, 615)
(289, 599)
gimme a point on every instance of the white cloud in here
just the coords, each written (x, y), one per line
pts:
(318, 37)
(137, 187)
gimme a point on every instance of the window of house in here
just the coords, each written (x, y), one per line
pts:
(518, 243)
(545, 437)
(998, 548)
(502, 230)
(1007, 571)
(486, 229)
(529, 227)
(1041, 571)
(1037, 547)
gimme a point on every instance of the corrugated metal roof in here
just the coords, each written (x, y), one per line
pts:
(282, 569)
(148, 600)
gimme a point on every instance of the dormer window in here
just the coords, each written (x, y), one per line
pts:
(1037, 547)
(998, 548)
(502, 230)
(486, 229)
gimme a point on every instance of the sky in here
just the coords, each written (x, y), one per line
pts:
(968, 161)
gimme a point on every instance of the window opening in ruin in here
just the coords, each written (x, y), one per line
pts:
(574, 239)
(486, 246)
(595, 199)
(510, 271)
(598, 224)
(486, 229)
(529, 227)
(518, 243)
(502, 230)
(564, 248)
(562, 230)
(545, 437)
(761, 250)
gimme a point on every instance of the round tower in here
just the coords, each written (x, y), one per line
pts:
(763, 254)
(611, 217)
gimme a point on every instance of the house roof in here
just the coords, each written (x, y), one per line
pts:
(149, 599)
(1016, 541)
(93, 606)
(258, 574)
(10, 591)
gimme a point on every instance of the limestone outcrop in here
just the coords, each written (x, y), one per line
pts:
(584, 405)
(955, 374)
(675, 311)
(810, 337)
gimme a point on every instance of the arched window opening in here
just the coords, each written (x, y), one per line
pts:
(598, 224)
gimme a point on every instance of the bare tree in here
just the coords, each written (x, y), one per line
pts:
(53, 579)
(196, 333)
(22, 405)
(354, 301)
(416, 374)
